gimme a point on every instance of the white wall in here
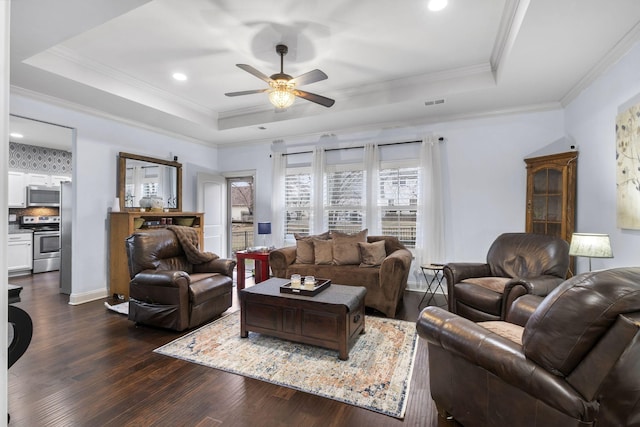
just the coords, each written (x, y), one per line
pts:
(252, 158)
(95, 151)
(590, 120)
(485, 175)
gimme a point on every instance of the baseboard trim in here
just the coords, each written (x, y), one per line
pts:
(77, 299)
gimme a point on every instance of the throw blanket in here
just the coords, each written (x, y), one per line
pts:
(188, 238)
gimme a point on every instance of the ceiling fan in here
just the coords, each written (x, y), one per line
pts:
(282, 87)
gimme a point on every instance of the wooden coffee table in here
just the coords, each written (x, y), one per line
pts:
(330, 319)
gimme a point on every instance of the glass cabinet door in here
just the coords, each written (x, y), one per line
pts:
(546, 202)
(551, 200)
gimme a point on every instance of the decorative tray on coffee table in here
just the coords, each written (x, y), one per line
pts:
(321, 285)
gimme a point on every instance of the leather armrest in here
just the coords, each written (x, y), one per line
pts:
(500, 356)
(221, 265)
(458, 271)
(522, 308)
(166, 278)
(540, 286)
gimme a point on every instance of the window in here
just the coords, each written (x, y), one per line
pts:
(297, 201)
(344, 208)
(398, 202)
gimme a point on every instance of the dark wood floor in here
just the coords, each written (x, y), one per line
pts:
(87, 366)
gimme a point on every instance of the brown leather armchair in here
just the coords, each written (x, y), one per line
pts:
(517, 264)
(168, 291)
(575, 363)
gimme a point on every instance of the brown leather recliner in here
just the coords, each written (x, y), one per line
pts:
(575, 363)
(168, 291)
(517, 264)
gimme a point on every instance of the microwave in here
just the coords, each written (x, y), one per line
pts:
(40, 195)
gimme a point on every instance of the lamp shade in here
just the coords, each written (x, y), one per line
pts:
(264, 228)
(590, 245)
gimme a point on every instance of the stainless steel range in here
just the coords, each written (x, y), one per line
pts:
(46, 241)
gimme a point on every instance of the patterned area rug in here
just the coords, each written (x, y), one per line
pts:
(376, 376)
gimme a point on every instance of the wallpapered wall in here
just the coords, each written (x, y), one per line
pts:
(29, 158)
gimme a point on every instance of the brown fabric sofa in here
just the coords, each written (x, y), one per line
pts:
(576, 362)
(516, 264)
(385, 283)
(168, 291)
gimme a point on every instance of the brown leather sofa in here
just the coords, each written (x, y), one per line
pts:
(517, 264)
(576, 362)
(385, 284)
(168, 291)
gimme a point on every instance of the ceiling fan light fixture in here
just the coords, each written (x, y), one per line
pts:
(281, 95)
(436, 5)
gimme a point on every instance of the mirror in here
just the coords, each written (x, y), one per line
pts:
(145, 182)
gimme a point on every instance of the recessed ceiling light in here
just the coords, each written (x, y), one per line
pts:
(16, 135)
(180, 76)
(436, 5)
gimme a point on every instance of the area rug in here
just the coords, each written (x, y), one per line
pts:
(376, 376)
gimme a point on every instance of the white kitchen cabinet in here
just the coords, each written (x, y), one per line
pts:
(38, 179)
(20, 252)
(57, 179)
(17, 197)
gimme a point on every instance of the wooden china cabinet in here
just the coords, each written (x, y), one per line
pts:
(551, 195)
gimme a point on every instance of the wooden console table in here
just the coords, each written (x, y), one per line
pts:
(262, 266)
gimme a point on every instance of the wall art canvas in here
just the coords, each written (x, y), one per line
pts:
(628, 167)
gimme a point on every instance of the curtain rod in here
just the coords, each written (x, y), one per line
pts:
(440, 138)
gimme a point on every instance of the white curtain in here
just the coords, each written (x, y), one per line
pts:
(318, 221)
(430, 228)
(372, 170)
(277, 198)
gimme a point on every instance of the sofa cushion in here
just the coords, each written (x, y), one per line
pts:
(372, 254)
(323, 251)
(304, 247)
(495, 284)
(345, 247)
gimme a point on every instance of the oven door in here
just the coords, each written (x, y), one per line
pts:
(46, 244)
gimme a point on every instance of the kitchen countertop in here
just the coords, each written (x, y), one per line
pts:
(17, 230)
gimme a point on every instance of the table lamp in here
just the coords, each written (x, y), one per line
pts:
(590, 245)
(264, 228)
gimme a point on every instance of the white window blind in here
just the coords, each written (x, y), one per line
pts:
(344, 198)
(398, 202)
(297, 200)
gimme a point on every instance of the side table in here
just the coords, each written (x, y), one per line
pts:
(262, 266)
(436, 279)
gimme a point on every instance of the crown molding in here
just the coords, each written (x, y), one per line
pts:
(64, 62)
(512, 18)
(58, 102)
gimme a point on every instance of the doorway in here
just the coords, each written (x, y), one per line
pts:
(241, 202)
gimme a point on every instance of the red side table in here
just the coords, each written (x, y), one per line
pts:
(262, 266)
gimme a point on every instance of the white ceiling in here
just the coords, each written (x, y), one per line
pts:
(384, 59)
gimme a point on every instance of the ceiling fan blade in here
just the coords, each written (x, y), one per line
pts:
(249, 69)
(318, 99)
(310, 77)
(246, 92)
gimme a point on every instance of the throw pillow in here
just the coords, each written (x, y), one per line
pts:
(323, 251)
(304, 247)
(345, 247)
(372, 254)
